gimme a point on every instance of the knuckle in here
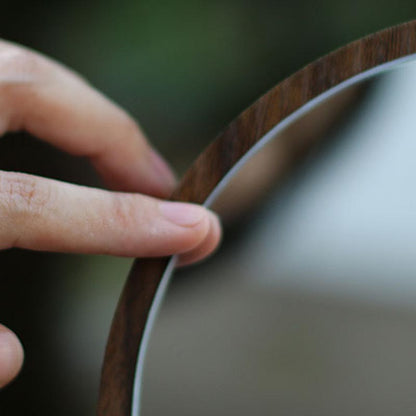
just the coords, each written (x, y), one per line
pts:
(18, 65)
(122, 211)
(130, 126)
(22, 194)
(128, 130)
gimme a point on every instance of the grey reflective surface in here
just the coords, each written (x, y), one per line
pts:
(310, 307)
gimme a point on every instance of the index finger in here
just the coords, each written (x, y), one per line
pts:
(55, 104)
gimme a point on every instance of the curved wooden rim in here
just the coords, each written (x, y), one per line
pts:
(137, 298)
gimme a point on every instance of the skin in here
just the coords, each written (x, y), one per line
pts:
(51, 102)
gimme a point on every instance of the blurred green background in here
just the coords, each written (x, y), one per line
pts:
(183, 69)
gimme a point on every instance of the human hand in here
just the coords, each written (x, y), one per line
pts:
(52, 103)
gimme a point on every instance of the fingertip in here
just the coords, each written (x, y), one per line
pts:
(11, 356)
(207, 247)
(189, 225)
(197, 230)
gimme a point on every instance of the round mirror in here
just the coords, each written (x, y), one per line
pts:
(309, 306)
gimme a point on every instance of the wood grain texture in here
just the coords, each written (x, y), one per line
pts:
(118, 373)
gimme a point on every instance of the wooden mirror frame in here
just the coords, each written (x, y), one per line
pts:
(147, 281)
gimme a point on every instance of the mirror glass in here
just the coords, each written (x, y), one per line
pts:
(309, 308)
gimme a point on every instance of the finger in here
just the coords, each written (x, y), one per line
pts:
(206, 247)
(45, 214)
(55, 104)
(11, 356)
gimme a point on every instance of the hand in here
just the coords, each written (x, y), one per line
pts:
(51, 102)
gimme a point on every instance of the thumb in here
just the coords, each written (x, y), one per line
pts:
(11, 356)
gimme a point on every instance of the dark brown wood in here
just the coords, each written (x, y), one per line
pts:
(215, 162)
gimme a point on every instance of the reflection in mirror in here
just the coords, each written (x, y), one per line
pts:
(310, 306)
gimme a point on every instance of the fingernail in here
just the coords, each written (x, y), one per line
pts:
(186, 215)
(162, 170)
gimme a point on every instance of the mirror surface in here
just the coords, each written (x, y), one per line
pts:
(309, 308)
